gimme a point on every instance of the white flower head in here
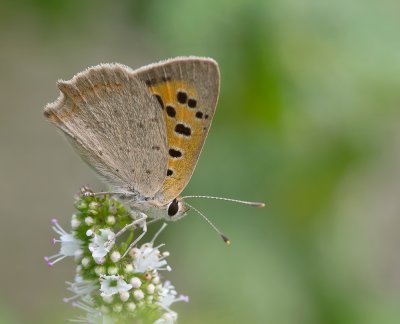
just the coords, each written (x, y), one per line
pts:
(168, 295)
(149, 258)
(81, 288)
(108, 287)
(169, 317)
(93, 315)
(101, 244)
(69, 244)
(111, 285)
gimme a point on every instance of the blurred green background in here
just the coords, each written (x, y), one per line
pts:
(308, 121)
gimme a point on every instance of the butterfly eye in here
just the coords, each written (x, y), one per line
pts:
(173, 208)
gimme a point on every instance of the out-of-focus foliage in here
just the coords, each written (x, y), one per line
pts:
(307, 121)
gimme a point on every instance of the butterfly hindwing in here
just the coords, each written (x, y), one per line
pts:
(187, 91)
(116, 125)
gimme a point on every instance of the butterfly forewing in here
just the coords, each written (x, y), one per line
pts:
(116, 125)
(187, 92)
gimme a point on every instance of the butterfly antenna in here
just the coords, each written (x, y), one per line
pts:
(224, 237)
(249, 203)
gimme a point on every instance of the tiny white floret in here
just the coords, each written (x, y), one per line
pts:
(89, 221)
(135, 282)
(115, 256)
(108, 299)
(99, 270)
(124, 295)
(131, 306)
(101, 244)
(112, 270)
(78, 255)
(85, 262)
(93, 205)
(150, 289)
(138, 294)
(129, 268)
(75, 223)
(117, 308)
(110, 220)
(69, 244)
(111, 285)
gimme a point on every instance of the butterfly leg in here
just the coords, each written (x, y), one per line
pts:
(126, 227)
(87, 192)
(144, 226)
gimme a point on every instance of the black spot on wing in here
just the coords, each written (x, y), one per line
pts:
(160, 101)
(199, 115)
(183, 130)
(175, 153)
(181, 97)
(150, 82)
(171, 112)
(192, 103)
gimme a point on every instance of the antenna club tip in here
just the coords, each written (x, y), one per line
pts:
(226, 239)
(261, 205)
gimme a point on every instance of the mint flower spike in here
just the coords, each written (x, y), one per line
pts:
(116, 281)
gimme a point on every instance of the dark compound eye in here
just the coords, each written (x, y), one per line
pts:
(173, 208)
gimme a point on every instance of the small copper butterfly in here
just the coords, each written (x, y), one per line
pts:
(142, 130)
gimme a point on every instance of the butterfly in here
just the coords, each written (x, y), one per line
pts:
(141, 130)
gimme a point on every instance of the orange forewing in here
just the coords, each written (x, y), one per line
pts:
(179, 169)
